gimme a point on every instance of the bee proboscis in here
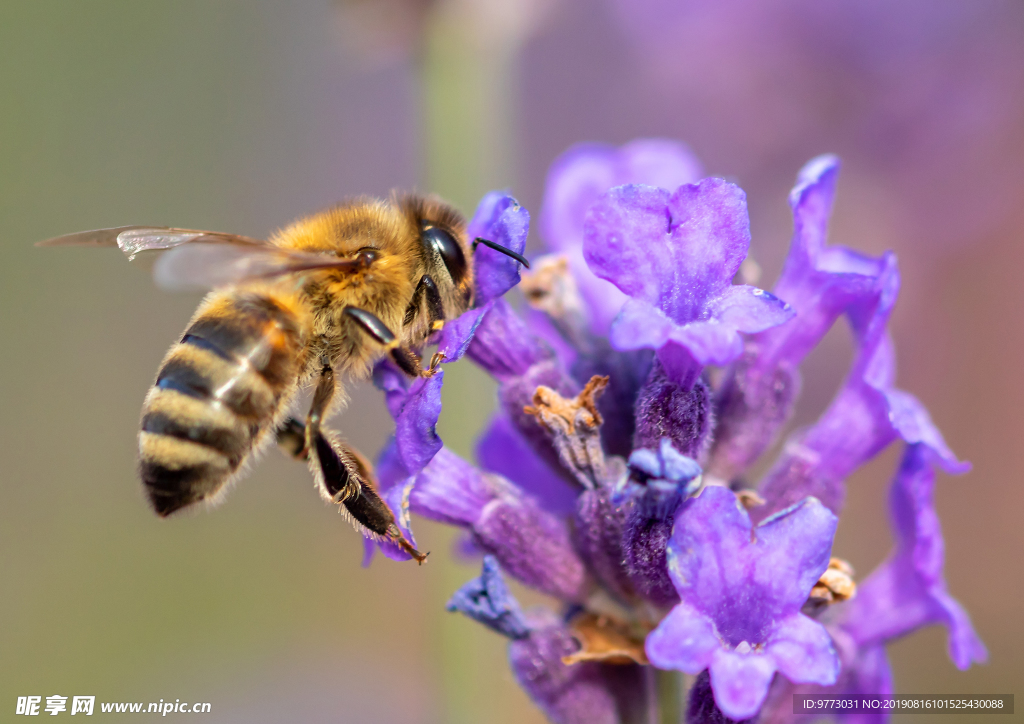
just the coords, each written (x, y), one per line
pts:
(321, 301)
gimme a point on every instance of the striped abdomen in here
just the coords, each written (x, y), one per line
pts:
(216, 395)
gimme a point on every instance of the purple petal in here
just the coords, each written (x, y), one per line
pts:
(819, 291)
(679, 365)
(740, 682)
(797, 543)
(578, 178)
(675, 252)
(701, 707)
(710, 238)
(675, 256)
(909, 590)
(389, 468)
(416, 423)
(685, 640)
(455, 338)
(487, 212)
(855, 427)
(498, 218)
(415, 407)
(747, 580)
(626, 241)
(393, 383)
(869, 316)
(665, 463)
(647, 461)
(803, 651)
(503, 450)
(640, 325)
(749, 309)
(710, 536)
(709, 343)
(487, 599)
(913, 423)
(586, 171)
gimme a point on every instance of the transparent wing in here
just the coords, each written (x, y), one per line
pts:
(205, 266)
(135, 239)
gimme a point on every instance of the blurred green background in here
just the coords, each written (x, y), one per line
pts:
(241, 116)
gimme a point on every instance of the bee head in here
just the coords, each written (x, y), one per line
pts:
(438, 240)
(444, 248)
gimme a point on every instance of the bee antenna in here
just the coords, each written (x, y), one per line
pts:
(504, 250)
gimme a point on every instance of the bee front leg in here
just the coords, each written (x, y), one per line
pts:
(346, 478)
(407, 360)
(427, 288)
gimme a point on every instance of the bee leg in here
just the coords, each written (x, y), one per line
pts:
(435, 307)
(435, 359)
(372, 325)
(291, 438)
(322, 395)
(296, 438)
(347, 479)
(407, 360)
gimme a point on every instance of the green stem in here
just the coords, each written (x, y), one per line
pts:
(669, 686)
(467, 94)
(468, 85)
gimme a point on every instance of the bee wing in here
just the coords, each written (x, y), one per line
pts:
(205, 266)
(135, 239)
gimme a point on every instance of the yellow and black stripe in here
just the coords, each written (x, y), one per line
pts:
(215, 396)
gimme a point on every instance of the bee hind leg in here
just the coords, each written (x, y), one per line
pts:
(291, 438)
(346, 479)
(322, 396)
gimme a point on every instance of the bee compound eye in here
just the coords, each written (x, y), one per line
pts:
(367, 255)
(444, 244)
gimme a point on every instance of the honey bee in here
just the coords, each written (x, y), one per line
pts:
(323, 300)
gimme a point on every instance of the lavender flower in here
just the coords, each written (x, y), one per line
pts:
(674, 255)
(592, 487)
(742, 589)
(577, 179)
(905, 592)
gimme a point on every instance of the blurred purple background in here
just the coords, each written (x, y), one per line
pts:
(241, 116)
